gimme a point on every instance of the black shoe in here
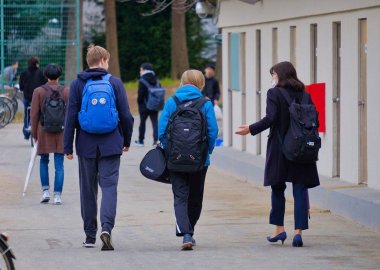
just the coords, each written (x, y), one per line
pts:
(106, 239)
(89, 243)
(187, 243)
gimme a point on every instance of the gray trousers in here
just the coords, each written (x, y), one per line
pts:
(102, 171)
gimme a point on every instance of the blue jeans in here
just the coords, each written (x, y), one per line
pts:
(59, 172)
(26, 119)
(301, 206)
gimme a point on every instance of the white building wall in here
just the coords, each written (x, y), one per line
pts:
(237, 16)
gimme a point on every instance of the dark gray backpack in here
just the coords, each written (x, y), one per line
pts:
(301, 143)
(187, 141)
(54, 110)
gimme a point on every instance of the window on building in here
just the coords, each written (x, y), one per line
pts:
(293, 39)
(313, 52)
(274, 46)
(234, 61)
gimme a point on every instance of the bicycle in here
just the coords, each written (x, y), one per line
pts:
(8, 105)
(7, 255)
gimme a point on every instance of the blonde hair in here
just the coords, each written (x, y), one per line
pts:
(194, 77)
(95, 54)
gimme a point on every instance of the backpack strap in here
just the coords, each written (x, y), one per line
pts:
(305, 98)
(48, 88)
(195, 103)
(148, 85)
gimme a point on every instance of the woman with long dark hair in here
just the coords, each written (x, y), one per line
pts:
(279, 170)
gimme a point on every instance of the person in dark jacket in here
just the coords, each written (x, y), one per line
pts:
(188, 188)
(279, 170)
(146, 73)
(211, 88)
(30, 79)
(98, 154)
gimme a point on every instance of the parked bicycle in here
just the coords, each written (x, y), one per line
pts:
(9, 105)
(7, 255)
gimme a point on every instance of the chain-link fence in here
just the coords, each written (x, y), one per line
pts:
(49, 29)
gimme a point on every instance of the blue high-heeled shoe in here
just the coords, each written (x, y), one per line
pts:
(279, 237)
(297, 241)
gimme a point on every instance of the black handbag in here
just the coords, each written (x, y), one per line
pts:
(153, 166)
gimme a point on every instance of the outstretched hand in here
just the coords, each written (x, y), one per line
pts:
(243, 130)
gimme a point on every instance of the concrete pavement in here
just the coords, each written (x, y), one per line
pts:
(230, 234)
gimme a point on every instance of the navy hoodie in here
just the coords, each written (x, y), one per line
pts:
(91, 145)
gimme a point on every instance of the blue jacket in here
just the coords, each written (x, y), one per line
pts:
(90, 145)
(184, 93)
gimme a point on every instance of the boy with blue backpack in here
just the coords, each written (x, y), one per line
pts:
(98, 115)
(150, 99)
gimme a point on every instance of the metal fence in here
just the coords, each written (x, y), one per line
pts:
(49, 29)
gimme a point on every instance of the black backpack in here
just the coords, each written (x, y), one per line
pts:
(187, 141)
(301, 143)
(156, 96)
(54, 110)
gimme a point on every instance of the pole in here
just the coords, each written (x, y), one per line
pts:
(2, 44)
(77, 33)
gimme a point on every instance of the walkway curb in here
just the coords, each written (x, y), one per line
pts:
(358, 203)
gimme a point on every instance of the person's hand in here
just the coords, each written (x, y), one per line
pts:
(243, 130)
(125, 149)
(69, 156)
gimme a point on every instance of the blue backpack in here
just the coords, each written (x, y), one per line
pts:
(98, 112)
(156, 96)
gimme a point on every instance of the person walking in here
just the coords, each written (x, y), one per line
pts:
(98, 115)
(182, 150)
(9, 73)
(30, 79)
(211, 88)
(147, 77)
(278, 169)
(47, 141)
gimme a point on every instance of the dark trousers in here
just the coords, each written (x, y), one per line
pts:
(105, 172)
(301, 206)
(26, 119)
(154, 118)
(188, 191)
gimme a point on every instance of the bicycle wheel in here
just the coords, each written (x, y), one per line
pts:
(8, 102)
(6, 261)
(5, 113)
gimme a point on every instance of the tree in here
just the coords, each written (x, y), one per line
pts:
(111, 36)
(179, 52)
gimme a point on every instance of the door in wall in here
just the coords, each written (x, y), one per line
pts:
(258, 88)
(336, 97)
(362, 103)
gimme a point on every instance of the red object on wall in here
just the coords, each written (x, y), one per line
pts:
(317, 92)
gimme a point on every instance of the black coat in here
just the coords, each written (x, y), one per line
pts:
(142, 95)
(211, 89)
(277, 168)
(30, 79)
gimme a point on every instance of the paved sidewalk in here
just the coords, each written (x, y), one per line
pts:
(230, 235)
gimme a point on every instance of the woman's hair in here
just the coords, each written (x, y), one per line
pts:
(52, 71)
(287, 76)
(33, 62)
(194, 77)
(95, 54)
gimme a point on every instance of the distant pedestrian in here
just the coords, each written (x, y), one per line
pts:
(147, 78)
(98, 113)
(49, 141)
(188, 130)
(211, 88)
(278, 169)
(30, 79)
(9, 73)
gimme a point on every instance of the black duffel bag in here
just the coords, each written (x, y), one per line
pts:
(153, 166)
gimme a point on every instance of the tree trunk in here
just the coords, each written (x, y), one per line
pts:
(111, 36)
(70, 50)
(180, 59)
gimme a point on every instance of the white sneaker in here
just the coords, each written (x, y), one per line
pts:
(57, 199)
(45, 196)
